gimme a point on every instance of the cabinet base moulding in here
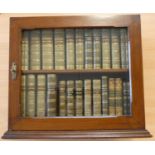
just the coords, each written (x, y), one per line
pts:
(76, 135)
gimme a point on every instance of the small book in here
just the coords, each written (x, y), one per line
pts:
(41, 96)
(59, 49)
(25, 50)
(70, 98)
(79, 97)
(115, 48)
(23, 95)
(87, 97)
(106, 41)
(47, 49)
(88, 49)
(118, 96)
(97, 97)
(79, 49)
(112, 96)
(35, 50)
(30, 111)
(126, 99)
(97, 48)
(70, 50)
(51, 94)
(124, 48)
(105, 109)
(62, 98)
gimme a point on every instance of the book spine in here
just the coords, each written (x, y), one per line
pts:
(118, 96)
(88, 49)
(70, 98)
(25, 50)
(87, 97)
(70, 48)
(30, 112)
(111, 96)
(59, 49)
(35, 50)
(126, 48)
(47, 49)
(106, 60)
(41, 96)
(126, 99)
(23, 95)
(97, 49)
(62, 97)
(51, 94)
(115, 49)
(105, 95)
(78, 97)
(123, 48)
(97, 97)
(79, 49)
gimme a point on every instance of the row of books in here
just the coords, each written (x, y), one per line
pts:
(43, 95)
(75, 49)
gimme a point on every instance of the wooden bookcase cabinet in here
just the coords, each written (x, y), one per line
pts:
(76, 127)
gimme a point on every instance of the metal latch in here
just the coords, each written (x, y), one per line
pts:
(13, 71)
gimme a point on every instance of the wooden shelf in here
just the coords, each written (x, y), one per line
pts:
(77, 135)
(75, 71)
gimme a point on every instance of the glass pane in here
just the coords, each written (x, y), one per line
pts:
(78, 72)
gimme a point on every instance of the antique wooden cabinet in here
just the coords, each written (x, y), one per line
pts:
(76, 77)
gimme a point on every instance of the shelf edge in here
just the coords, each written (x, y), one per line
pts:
(77, 135)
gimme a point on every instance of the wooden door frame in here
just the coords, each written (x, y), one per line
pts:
(134, 122)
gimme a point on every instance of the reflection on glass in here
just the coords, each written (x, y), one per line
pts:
(103, 90)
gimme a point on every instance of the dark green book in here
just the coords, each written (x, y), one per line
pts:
(79, 97)
(105, 95)
(115, 43)
(112, 108)
(88, 49)
(97, 48)
(126, 99)
(124, 48)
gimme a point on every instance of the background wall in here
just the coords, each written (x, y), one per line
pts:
(148, 45)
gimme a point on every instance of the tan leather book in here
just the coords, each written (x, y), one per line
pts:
(41, 96)
(87, 97)
(118, 96)
(62, 98)
(59, 49)
(106, 60)
(97, 97)
(47, 49)
(79, 97)
(79, 48)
